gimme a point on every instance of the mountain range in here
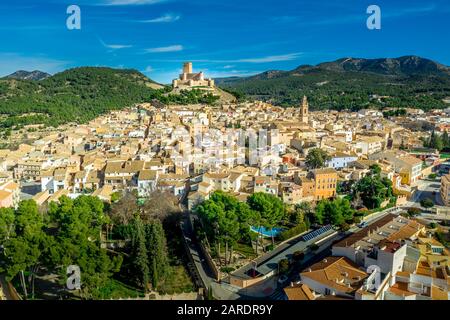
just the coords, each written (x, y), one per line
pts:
(408, 81)
(81, 94)
(27, 75)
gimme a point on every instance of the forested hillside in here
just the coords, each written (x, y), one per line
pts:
(81, 94)
(352, 84)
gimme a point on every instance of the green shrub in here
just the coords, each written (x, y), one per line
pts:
(283, 266)
(293, 232)
(345, 227)
(412, 212)
(427, 203)
(227, 269)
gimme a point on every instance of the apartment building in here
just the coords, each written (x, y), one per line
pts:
(445, 189)
(367, 145)
(338, 278)
(122, 174)
(291, 193)
(265, 184)
(409, 167)
(28, 169)
(56, 179)
(340, 160)
(147, 182)
(9, 194)
(325, 183)
(383, 243)
(425, 274)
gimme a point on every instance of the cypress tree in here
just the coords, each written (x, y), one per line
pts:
(139, 253)
(156, 251)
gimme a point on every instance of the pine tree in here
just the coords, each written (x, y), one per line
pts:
(445, 139)
(436, 142)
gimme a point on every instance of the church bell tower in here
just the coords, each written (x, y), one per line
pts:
(304, 111)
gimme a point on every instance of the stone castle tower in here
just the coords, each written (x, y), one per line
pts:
(187, 67)
(304, 111)
(189, 79)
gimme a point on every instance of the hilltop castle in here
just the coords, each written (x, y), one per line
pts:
(191, 80)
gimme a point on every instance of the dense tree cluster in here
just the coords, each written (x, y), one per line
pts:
(226, 221)
(438, 142)
(373, 189)
(148, 258)
(395, 113)
(71, 232)
(328, 89)
(68, 234)
(336, 212)
(142, 225)
(317, 158)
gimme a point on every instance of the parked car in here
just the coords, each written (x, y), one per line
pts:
(363, 225)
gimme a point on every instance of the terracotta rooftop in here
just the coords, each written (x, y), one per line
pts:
(299, 292)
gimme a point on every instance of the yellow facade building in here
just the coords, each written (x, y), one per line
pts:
(325, 183)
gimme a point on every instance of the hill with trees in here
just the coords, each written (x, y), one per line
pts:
(81, 94)
(351, 83)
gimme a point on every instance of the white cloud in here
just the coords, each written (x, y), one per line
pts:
(167, 18)
(149, 69)
(12, 62)
(115, 46)
(268, 59)
(232, 73)
(285, 57)
(118, 46)
(174, 48)
(129, 2)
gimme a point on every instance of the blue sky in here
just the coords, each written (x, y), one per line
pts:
(221, 37)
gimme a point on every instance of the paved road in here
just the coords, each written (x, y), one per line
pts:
(204, 274)
(200, 269)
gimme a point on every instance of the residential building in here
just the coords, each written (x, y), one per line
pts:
(445, 189)
(9, 194)
(325, 183)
